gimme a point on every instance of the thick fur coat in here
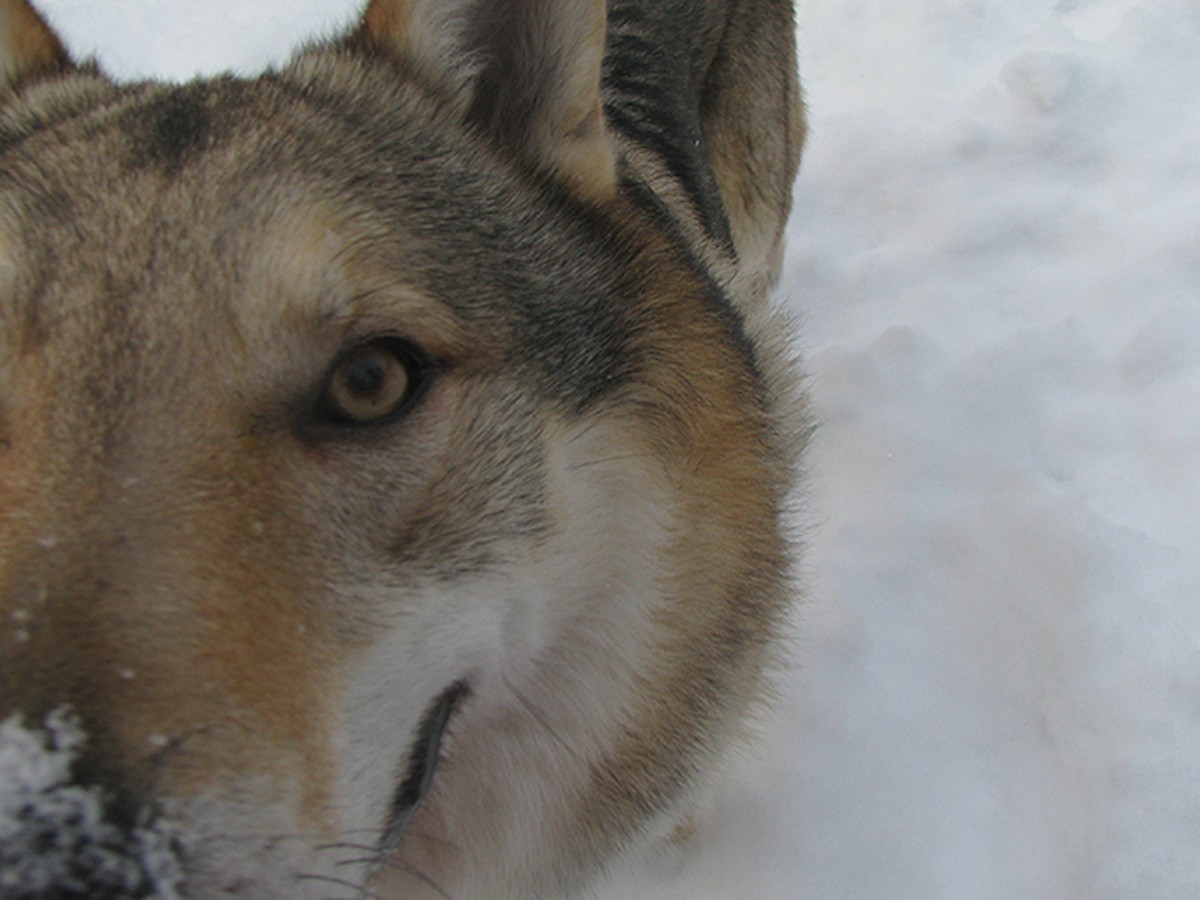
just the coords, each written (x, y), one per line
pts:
(394, 447)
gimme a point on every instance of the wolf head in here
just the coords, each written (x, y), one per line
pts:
(389, 482)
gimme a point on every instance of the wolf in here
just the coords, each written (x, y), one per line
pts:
(396, 448)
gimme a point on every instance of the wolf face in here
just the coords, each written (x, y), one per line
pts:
(392, 453)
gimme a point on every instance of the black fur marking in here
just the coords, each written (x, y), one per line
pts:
(178, 126)
(653, 95)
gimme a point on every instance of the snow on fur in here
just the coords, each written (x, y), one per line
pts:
(55, 837)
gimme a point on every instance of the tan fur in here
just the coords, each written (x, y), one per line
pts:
(27, 45)
(571, 534)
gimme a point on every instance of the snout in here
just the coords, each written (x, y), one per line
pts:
(165, 725)
(62, 838)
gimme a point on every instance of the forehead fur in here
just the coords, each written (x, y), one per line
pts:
(317, 185)
(217, 196)
(8, 258)
(17, 322)
(246, 188)
(324, 269)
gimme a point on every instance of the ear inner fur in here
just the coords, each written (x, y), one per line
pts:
(428, 37)
(527, 73)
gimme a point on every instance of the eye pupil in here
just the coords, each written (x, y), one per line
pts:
(364, 377)
(371, 382)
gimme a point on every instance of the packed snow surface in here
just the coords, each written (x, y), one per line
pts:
(996, 257)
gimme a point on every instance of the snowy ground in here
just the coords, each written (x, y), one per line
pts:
(997, 254)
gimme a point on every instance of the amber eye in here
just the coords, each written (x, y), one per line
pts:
(372, 382)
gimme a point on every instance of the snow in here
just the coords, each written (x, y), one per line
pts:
(996, 254)
(56, 838)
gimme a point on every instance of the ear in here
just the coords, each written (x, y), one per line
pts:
(27, 44)
(525, 71)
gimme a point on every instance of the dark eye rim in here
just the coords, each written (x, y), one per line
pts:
(419, 366)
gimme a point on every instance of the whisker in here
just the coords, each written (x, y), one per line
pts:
(357, 889)
(537, 717)
(407, 869)
(417, 834)
(169, 746)
(346, 845)
(378, 831)
(372, 860)
(603, 461)
(273, 836)
(580, 435)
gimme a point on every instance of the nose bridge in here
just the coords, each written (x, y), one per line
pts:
(77, 543)
(103, 404)
(64, 651)
(160, 591)
(87, 593)
(57, 657)
(102, 505)
(151, 579)
(91, 519)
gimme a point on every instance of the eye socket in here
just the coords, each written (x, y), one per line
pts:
(372, 382)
